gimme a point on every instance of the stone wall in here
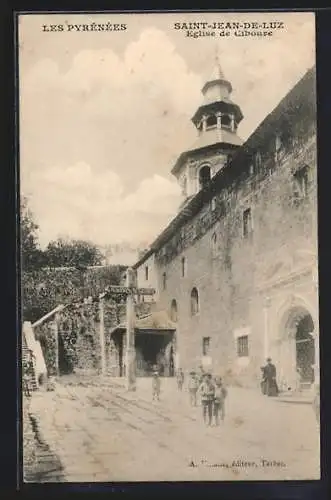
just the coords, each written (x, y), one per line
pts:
(78, 329)
(79, 336)
(230, 270)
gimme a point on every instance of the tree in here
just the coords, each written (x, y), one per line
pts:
(32, 256)
(72, 253)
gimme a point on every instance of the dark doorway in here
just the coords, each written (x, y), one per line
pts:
(204, 176)
(305, 349)
(151, 352)
(65, 363)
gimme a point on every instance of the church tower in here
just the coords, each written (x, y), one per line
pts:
(216, 122)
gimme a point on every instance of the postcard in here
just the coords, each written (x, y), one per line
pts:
(168, 190)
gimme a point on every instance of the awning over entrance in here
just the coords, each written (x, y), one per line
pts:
(156, 322)
(154, 344)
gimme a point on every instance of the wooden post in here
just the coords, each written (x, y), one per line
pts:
(102, 335)
(56, 335)
(130, 337)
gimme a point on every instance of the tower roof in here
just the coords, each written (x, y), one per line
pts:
(216, 77)
(217, 73)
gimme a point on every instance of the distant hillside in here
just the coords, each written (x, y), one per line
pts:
(122, 253)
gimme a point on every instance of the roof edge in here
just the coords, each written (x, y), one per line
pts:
(143, 258)
(266, 122)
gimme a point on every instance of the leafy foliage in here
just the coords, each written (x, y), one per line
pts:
(44, 289)
(32, 257)
(66, 271)
(72, 253)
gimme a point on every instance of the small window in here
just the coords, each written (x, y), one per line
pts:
(174, 311)
(211, 121)
(164, 281)
(247, 223)
(214, 245)
(204, 176)
(258, 160)
(301, 183)
(222, 208)
(251, 169)
(146, 273)
(205, 346)
(278, 147)
(226, 121)
(278, 143)
(183, 266)
(213, 204)
(194, 302)
(242, 346)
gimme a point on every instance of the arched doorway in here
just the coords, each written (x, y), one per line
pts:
(204, 176)
(305, 348)
(297, 356)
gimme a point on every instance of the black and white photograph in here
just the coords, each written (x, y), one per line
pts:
(169, 249)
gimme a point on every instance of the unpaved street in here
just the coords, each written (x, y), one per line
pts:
(100, 432)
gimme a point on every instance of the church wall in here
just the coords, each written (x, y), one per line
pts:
(228, 278)
(151, 281)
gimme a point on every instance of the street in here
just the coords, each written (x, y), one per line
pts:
(100, 432)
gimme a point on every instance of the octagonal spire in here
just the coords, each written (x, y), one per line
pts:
(217, 77)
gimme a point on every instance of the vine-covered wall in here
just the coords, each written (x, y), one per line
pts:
(78, 330)
(46, 288)
(78, 327)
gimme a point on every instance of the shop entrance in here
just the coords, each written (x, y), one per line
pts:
(153, 349)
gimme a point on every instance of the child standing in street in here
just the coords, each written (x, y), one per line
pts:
(180, 379)
(219, 401)
(193, 385)
(207, 391)
(156, 386)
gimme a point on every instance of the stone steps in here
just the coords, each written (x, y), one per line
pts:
(25, 360)
(298, 397)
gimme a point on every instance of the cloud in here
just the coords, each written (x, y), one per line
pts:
(149, 64)
(98, 140)
(99, 137)
(77, 202)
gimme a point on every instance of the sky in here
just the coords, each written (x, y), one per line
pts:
(104, 115)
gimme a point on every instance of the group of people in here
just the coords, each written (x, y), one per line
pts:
(210, 389)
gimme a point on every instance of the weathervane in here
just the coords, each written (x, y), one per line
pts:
(218, 67)
(217, 59)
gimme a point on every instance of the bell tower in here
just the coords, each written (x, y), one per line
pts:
(216, 122)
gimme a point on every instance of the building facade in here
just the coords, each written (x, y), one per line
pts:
(236, 269)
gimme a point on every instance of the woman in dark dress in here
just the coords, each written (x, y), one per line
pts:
(270, 379)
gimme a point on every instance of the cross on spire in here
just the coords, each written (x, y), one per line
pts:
(217, 73)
